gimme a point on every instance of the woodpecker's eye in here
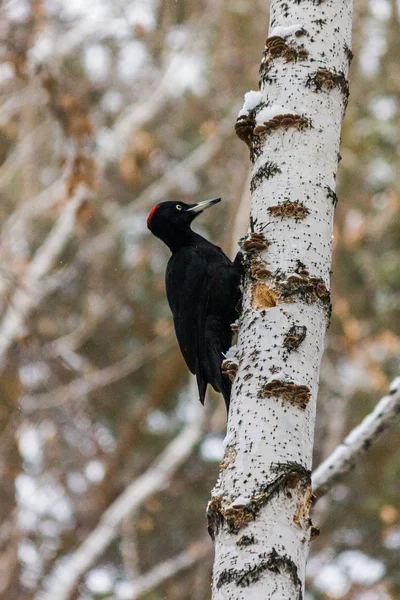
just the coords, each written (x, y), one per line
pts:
(178, 207)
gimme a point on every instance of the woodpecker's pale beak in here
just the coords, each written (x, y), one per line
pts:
(200, 206)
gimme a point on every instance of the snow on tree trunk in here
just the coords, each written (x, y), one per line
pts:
(259, 509)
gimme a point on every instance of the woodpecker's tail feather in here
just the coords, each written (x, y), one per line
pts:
(202, 387)
(226, 392)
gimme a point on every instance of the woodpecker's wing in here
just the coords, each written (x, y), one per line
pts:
(224, 295)
(188, 294)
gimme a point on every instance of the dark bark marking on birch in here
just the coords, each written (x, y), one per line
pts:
(317, 2)
(314, 532)
(264, 72)
(246, 540)
(237, 517)
(331, 195)
(271, 561)
(292, 469)
(215, 518)
(349, 54)
(270, 169)
(255, 148)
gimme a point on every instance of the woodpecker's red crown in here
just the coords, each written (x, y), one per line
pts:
(151, 213)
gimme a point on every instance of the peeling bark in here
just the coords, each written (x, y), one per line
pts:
(259, 510)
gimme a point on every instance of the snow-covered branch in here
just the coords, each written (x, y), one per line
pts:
(138, 115)
(169, 568)
(98, 379)
(159, 190)
(35, 207)
(156, 98)
(64, 579)
(26, 297)
(69, 342)
(359, 440)
(200, 157)
(20, 154)
(156, 192)
(13, 104)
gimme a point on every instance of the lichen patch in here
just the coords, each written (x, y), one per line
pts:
(244, 127)
(294, 337)
(277, 47)
(258, 270)
(282, 122)
(307, 289)
(296, 210)
(255, 242)
(328, 80)
(287, 391)
(229, 369)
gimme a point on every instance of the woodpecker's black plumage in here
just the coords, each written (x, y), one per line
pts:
(203, 290)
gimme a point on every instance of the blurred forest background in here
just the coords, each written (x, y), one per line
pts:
(108, 107)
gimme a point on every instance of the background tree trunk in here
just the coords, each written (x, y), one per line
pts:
(259, 510)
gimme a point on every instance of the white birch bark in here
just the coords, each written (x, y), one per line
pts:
(259, 509)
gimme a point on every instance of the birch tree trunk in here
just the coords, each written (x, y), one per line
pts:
(259, 510)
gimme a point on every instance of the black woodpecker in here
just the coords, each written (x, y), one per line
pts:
(203, 291)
